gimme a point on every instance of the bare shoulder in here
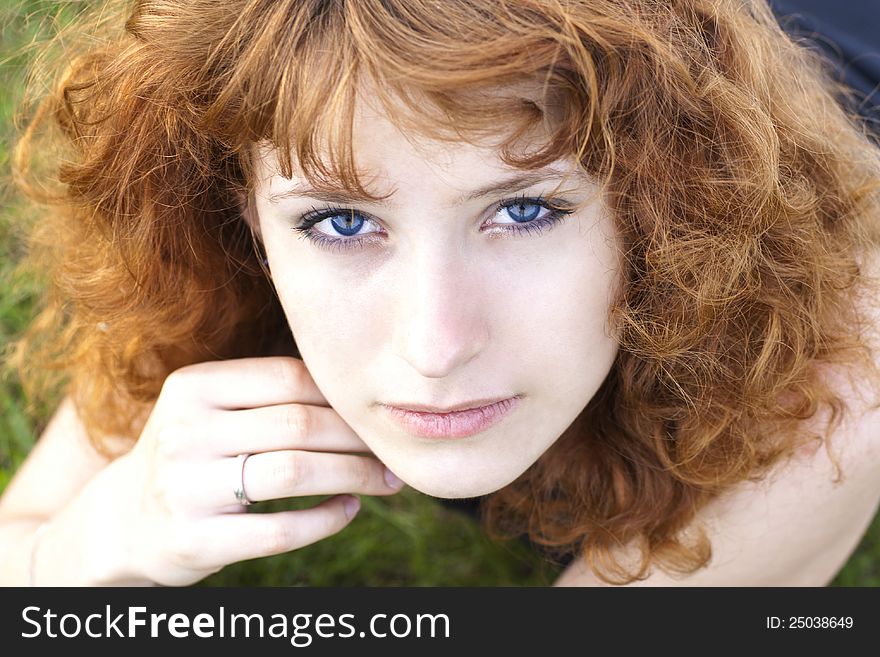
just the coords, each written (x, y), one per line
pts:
(60, 463)
(796, 527)
(800, 524)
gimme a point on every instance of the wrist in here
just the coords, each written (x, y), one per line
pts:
(108, 542)
(85, 543)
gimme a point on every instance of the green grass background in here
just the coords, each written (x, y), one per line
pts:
(405, 540)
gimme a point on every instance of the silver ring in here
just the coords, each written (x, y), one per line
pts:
(239, 493)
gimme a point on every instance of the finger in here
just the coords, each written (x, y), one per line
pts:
(244, 383)
(230, 538)
(293, 473)
(284, 426)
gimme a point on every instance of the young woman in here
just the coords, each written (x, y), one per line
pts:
(608, 264)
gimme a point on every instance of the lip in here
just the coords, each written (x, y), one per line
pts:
(459, 421)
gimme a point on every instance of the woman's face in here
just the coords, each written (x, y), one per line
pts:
(432, 299)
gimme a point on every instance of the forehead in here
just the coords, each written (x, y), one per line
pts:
(388, 145)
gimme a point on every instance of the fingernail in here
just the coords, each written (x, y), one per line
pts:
(351, 504)
(392, 479)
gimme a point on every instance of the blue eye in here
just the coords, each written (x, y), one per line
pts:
(516, 211)
(349, 224)
(346, 222)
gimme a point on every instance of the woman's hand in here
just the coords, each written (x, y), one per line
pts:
(182, 520)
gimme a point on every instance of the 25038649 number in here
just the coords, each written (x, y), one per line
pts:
(809, 622)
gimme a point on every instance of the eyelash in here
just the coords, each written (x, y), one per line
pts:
(536, 226)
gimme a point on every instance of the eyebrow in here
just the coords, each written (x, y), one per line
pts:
(345, 197)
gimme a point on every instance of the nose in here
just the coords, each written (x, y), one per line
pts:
(441, 321)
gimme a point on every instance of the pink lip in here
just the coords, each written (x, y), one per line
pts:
(453, 424)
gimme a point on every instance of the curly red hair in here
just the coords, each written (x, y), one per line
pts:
(744, 192)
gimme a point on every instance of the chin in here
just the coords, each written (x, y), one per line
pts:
(441, 485)
(455, 469)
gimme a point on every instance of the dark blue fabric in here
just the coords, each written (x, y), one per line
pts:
(847, 32)
(853, 29)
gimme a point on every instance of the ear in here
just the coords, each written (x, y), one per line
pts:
(249, 213)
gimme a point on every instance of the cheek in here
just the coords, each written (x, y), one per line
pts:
(324, 316)
(560, 331)
(561, 309)
(335, 324)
